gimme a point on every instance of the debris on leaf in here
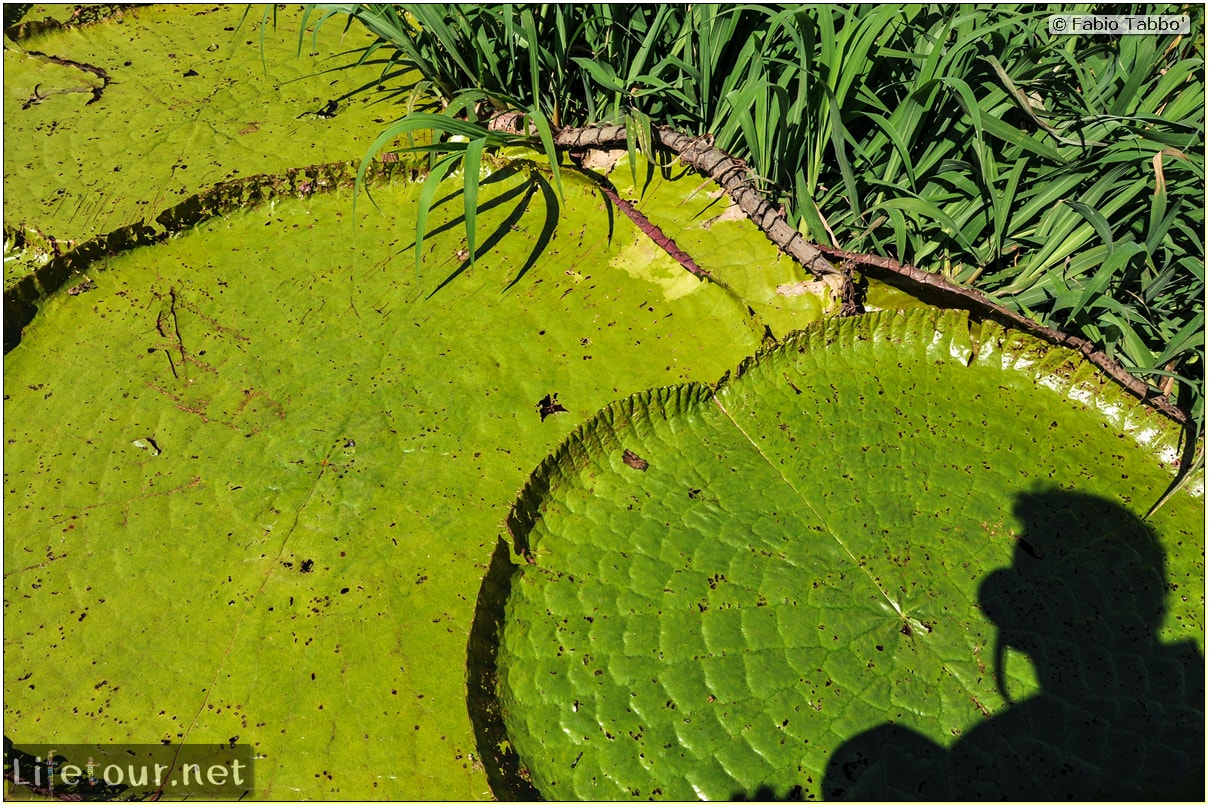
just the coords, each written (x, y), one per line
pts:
(829, 291)
(549, 405)
(829, 284)
(603, 160)
(148, 444)
(732, 213)
(635, 461)
(84, 285)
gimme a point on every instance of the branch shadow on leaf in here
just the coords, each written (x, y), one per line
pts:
(407, 88)
(526, 192)
(549, 225)
(386, 93)
(459, 221)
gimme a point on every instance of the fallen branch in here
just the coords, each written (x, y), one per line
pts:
(733, 176)
(951, 295)
(648, 227)
(730, 173)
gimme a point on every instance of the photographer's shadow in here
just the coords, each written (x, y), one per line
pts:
(1119, 716)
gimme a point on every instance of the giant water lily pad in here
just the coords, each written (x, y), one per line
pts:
(876, 533)
(193, 95)
(254, 474)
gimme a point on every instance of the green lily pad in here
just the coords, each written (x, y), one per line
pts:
(899, 531)
(196, 95)
(254, 474)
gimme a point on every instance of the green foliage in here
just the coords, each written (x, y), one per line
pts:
(476, 80)
(1062, 174)
(724, 583)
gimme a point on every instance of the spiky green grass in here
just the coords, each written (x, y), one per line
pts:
(1064, 176)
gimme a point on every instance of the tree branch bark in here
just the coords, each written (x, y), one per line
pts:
(733, 176)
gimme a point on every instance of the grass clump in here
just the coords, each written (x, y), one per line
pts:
(1062, 175)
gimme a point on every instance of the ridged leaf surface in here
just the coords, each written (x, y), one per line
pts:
(724, 585)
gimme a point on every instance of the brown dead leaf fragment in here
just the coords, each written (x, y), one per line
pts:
(85, 285)
(635, 461)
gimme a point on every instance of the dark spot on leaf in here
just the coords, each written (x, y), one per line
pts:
(307, 566)
(549, 405)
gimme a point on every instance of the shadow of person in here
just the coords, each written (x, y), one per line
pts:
(1119, 715)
